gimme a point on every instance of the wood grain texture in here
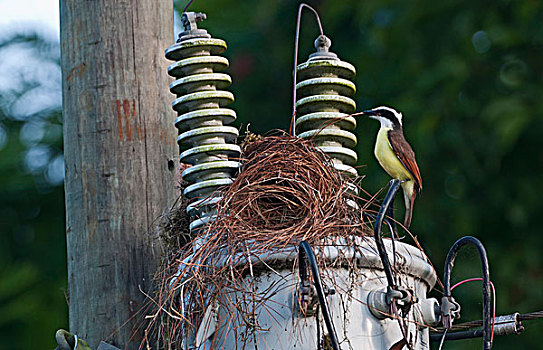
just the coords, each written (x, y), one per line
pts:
(118, 139)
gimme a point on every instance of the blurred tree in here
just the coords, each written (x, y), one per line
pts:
(32, 248)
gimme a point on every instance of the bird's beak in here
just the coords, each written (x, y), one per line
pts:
(370, 114)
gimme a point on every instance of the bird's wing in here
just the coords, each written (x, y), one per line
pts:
(405, 154)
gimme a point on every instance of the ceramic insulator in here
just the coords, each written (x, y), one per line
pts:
(324, 89)
(206, 142)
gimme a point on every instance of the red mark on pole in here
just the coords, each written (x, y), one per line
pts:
(126, 120)
(119, 120)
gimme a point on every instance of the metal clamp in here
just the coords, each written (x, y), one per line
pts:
(190, 20)
(380, 301)
(307, 297)
(407, 297)
(450, 310)
(508, 324)
(503, 325)
(69, 341)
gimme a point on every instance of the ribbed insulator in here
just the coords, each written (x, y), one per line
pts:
(205, 141)
(323, 90)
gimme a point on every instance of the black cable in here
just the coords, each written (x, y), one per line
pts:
(390, 212)
(393, 240)
(392, 229)
(449, 262)
(306, 253)
(378, 233)
(476, 333)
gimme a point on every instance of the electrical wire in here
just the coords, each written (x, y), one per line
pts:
(296, 41)
(187, 6)
(493, 300)
(392, 233)
(449, 262)
(442, 339)
(306, 253)
(393, 240)
(465, 331)
(531, 316)
(378, 234)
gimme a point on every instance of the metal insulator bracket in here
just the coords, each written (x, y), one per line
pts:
(450, 310)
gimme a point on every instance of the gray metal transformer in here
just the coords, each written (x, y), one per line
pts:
(354, 307)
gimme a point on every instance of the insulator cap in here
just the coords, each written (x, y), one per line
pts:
(322, 44)
(189, 21)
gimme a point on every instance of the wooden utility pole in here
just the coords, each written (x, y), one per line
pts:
(120, 153)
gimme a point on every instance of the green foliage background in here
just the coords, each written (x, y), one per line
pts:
(468, 76)
(32, 243)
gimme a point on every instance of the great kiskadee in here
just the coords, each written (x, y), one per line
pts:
(396, 155)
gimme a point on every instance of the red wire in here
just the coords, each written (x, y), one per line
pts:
(493, 300)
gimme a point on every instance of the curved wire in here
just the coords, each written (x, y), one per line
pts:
(449, 262)
(307, 253)
(296, 41)
(493, 300)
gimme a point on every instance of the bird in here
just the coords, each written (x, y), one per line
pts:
(396, 156)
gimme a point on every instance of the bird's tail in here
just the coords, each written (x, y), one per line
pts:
(409, 198)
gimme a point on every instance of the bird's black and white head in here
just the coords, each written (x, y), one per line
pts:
(389, 117)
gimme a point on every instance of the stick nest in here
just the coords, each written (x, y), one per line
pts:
(286, 191)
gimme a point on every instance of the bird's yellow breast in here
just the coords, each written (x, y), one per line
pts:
(388, 159)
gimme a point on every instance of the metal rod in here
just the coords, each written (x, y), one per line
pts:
(296, 42)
